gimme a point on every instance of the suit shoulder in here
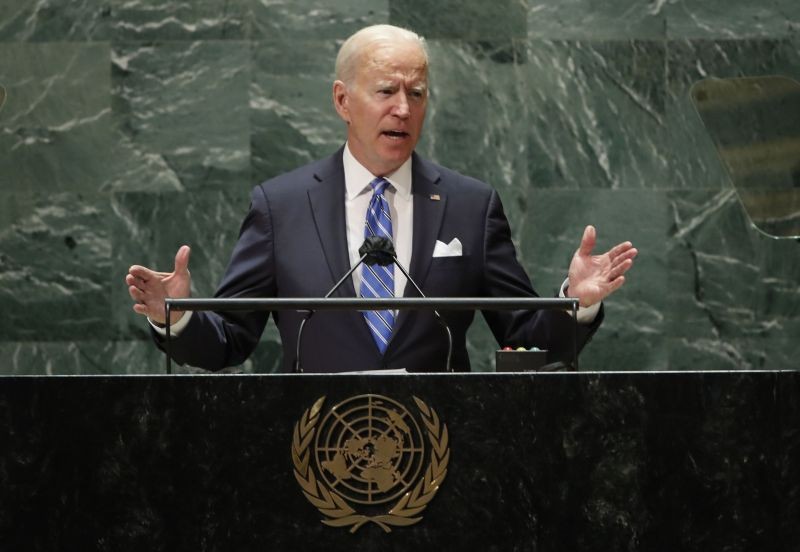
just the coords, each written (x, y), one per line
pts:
(297, 180)
(453, 181)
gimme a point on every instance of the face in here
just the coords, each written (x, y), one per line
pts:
(384, 107)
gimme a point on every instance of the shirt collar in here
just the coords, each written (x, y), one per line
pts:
(357, 177)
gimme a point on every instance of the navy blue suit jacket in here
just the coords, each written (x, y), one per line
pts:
(293, 243)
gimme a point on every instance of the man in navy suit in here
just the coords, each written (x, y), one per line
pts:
(304, 228)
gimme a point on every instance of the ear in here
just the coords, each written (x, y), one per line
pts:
(341, 100)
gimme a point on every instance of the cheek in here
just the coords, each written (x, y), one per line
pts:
(419, 119)
(369, 116)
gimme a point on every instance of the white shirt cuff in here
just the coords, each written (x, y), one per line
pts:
(586, 315)
(176, 328)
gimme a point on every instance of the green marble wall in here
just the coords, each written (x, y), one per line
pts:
(132, 127)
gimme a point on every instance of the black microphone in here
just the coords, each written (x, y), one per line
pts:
(377, 250)
(380, 251)
(2, 96)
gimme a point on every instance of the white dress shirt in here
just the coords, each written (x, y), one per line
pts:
(401, 205)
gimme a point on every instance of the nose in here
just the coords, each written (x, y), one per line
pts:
(401, 107)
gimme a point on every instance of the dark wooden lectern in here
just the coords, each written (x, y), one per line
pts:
(551, 462)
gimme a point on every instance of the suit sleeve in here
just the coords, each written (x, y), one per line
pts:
(504, 276)
(215, 340)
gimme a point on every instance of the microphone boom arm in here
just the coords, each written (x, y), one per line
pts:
(438, 316)
(298, 369)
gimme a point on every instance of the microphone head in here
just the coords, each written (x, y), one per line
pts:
(379, 251)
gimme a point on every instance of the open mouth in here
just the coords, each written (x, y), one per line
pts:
(395, 134)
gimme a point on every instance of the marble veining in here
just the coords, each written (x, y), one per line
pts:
(134, 126)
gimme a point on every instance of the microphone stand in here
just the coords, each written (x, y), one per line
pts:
(439, 317)
(298, 369)
(373, 251)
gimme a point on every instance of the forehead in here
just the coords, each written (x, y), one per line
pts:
(404, 59)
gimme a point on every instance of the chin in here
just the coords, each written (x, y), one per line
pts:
(397, 154)
(393, 163)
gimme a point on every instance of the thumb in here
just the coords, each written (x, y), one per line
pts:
(588, 241)
(182, 259)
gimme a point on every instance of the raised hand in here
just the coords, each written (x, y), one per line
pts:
(592, 278)
(149, 288)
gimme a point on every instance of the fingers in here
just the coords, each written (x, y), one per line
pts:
(622, 249)
(619, 270)
(148, 288)
(132, 280)
(136, 288)
(615, 284)
(143, 273)
(181, 264)
(138, 285)
(142, 293)
(628, 255)
(588, 240)
(140, 305)
(136, 294)
(182, 259)
(142, 300)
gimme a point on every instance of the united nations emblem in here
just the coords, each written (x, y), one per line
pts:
(367, 461)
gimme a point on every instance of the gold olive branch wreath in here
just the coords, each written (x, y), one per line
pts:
(337, 511)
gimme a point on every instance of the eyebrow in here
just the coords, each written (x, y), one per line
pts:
(393, 84)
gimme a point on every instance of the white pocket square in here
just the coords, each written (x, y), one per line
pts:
(452, 249)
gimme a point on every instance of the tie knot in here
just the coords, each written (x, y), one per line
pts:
(379, 185)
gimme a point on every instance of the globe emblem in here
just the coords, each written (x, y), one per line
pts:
(369, 449)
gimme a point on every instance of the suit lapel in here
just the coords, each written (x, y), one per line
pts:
(429, 207)
(327, 199)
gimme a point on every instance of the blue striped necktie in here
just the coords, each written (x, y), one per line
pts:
(378, 281)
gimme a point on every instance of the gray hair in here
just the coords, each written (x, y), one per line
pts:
(368, 39)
